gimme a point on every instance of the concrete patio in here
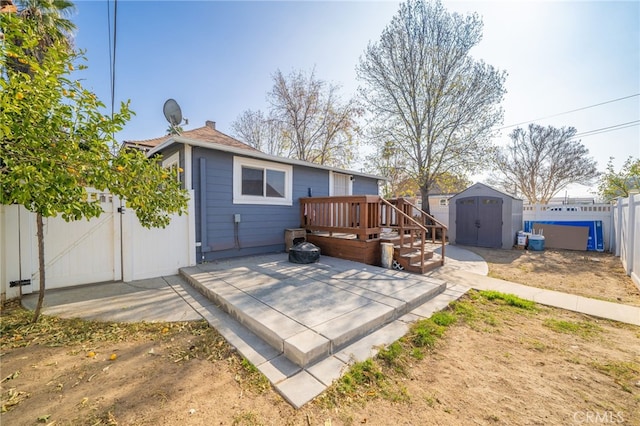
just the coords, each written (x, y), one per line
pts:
(302, 325)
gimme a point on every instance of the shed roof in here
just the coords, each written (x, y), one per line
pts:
(479, 185)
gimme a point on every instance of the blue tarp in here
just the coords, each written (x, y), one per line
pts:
(595, 241)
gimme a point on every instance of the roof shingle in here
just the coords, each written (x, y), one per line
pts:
(204, 134)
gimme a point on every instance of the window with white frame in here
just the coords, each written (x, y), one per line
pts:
(172, 163)
(261, 182)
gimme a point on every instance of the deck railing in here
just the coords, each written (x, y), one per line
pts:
(358, 214)
(434, 228)
(407, 227)
(366, 216)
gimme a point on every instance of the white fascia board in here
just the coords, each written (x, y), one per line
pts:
(255, 154)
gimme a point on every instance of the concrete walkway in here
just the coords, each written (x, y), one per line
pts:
(466, 268)
(597, 308)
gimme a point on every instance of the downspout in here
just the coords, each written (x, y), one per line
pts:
(204, 243)
(120, 214)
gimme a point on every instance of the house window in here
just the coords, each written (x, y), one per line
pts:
(261, 182)
(172, 163)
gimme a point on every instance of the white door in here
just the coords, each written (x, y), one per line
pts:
(340, 184)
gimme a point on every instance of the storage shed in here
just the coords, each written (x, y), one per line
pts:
(484, 217)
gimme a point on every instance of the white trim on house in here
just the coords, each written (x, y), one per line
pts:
(240, 198)
(188, 184)
(254, 154)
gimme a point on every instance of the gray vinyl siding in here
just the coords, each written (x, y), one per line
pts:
(261, 228)
(365, 186)
(305, 178)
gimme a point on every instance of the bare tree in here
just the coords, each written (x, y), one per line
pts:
(427, 94)
(307, 121)
(540, 162)
(315, 124)
(262, 133)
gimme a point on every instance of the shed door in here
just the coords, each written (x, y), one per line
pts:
(479, 221)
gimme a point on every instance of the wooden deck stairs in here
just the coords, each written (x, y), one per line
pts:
(354, 227)
(411, 257)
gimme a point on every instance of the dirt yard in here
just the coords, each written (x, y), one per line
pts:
(590, 274)
(487, 360)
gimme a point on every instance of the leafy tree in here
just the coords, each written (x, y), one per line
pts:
(387, 162)
(428, 96)
(174, 130)
(447, 183)
(307, 121)
(540, 162)
(55, 141)
(50, 18)
(620, 184)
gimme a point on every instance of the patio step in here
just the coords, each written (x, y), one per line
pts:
(306, 313)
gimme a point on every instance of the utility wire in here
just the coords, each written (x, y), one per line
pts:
(110, 56)
(113, 60)
(569, 112)
(608, 129)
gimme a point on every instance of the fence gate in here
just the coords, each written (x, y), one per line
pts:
(111, 247)
(79, 252)
(479, 221)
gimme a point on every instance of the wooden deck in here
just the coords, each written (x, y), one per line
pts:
(347, 246)
(353, 227)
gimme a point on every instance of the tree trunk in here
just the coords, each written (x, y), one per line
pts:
(424, 193)
(40, 234)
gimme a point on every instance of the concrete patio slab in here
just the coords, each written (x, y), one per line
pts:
(310, 311)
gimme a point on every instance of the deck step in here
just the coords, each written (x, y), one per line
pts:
(428, 265)
(410, 261)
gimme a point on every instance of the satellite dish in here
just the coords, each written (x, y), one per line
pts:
(172, 112)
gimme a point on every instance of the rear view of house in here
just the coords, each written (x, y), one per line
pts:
(246, 199)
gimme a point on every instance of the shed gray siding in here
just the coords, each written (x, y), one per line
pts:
(511, 212)
(261, 228)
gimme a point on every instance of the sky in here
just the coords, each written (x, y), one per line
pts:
(216, 59)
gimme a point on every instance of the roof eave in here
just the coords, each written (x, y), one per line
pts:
(254, 154)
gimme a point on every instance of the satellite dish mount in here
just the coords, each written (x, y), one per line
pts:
(173, 114)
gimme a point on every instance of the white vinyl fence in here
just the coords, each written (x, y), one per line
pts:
(112, 247)
(572, 213)
(626, 216)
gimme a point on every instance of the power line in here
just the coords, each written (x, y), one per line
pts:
(569, 112)
(607, 129)
(113, 63)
